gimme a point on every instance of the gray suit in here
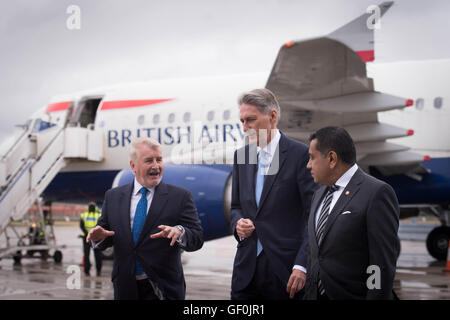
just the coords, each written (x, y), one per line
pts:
(365, 235)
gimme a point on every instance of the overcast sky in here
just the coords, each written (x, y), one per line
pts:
(139, 40)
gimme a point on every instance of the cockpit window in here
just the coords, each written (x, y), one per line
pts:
(40, 125)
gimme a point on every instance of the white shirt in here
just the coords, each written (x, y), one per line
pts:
(342, 182)
(270, 148)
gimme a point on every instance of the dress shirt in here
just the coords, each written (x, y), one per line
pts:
(270, 148)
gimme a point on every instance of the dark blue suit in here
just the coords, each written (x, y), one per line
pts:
(365, 235)
(281, 219)
(162, 263)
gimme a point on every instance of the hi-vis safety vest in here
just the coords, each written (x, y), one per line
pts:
(90, 219)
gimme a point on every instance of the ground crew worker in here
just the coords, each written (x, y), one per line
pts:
(88, 220)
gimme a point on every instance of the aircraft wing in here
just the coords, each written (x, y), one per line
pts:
(323, 82)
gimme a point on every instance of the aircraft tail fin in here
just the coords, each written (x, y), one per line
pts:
(358, 34)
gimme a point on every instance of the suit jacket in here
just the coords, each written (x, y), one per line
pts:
(170, 206)
(361, 231)
(282, 216)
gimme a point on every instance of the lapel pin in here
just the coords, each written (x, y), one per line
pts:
(347, 193)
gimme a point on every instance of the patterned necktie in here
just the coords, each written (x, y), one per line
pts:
(324, 213)
(320, 227)
(260, 175)
(138, 222)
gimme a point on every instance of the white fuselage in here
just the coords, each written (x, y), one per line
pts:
(205, 111)
(426, 82)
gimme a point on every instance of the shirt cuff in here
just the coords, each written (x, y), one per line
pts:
(94, 245)
(241, 238)
(297, 267)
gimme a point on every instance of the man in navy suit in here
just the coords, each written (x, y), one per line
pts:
(138, 219)
(271, 198)
(352, 227)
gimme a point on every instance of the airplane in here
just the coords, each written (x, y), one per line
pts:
(76, 148)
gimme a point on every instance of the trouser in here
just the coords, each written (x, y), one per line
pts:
(322, 297)
(146, 291)
(97, 255)
(265, 284)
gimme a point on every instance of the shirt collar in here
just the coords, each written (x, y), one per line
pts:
(346, 177)
(138, 186)
(272, 145)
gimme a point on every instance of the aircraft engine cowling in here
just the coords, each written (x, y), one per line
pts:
(210, 186)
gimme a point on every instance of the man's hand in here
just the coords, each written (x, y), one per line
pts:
(98, 234)
(167, 232)
(296, 282)
(245, 228)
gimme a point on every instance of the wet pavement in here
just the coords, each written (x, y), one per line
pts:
(39, 279)
(419, 276)
(207, 272)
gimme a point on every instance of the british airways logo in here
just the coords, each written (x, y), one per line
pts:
(170, 135)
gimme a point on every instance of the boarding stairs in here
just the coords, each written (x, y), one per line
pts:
(28, 164)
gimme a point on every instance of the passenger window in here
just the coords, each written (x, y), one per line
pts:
(419, 104)
(187, 117)
(210, 116)
(226, 115)
(171, 117)
(156, 119)
(438, 102)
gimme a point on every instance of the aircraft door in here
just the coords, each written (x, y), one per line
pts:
(85, 112)
(82, 139)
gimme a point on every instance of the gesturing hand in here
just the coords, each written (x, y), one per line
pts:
(97, 234)
(167, 232)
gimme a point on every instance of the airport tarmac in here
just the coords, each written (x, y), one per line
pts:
(207, 272)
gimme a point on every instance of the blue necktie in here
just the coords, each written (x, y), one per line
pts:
(260, 175)
(138, 222)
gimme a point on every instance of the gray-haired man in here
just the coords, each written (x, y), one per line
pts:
(148, 222)
(270, 205)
